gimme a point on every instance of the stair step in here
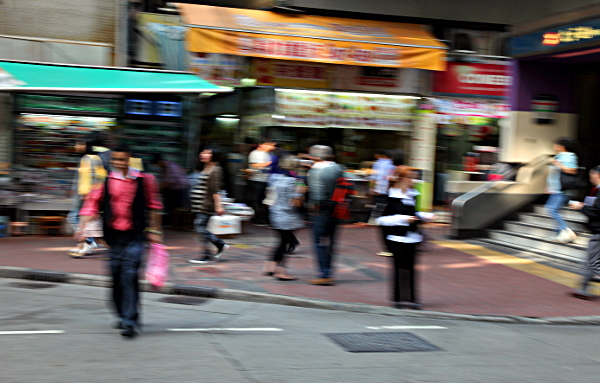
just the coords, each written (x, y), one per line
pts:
(566, 213)
(578, 225)
(545, 232)
(572, 264)
(559, 250)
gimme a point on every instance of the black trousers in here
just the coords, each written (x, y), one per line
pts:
(286, 238)
(403, 276)
(257, 192)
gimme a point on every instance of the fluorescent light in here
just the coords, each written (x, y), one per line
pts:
(227, 119)
(277, 116)
(229, 115)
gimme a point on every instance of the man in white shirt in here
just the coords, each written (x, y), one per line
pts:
(260, 162)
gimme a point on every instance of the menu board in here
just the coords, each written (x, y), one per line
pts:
(303, 109)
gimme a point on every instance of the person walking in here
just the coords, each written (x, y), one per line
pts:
(174, 186)
(591, 208)
(124, 199)
(284, 214)
(206, 202)
(322, 178)
(399, 222)
(565, 161)
(383, 168)
(90, 172)
(260, 162)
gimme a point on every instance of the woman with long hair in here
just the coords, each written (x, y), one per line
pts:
(565, 161)
(400, 222)
(287, 192)
(206, 202)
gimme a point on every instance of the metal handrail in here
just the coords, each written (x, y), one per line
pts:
(489, 208)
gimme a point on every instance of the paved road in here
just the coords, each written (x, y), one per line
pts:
(234, 341)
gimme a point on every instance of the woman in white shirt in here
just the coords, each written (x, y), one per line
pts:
(399, 223)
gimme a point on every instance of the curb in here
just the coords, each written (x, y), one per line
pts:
(256, 297)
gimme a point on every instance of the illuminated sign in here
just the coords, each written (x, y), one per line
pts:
(559, 37)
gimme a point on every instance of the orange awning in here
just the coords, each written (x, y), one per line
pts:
(310, 38)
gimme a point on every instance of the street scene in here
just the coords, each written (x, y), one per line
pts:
(299, 190)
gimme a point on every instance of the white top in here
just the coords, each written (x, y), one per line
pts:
(258, 157)
(407, 198)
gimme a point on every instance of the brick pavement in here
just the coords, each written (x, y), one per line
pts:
(454, 277)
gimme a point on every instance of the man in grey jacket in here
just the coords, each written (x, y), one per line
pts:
(322, 179)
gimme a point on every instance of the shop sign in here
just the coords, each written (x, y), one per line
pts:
(473, 78)
(378, 79)
(490, 109)
(544, 107)
(67, 103)
(558, 37)
(223, 70)
(293, 74)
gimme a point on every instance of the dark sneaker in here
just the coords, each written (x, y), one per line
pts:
(582, 294)
(128, 332)
(220, 249)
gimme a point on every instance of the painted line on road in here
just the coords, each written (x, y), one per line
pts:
(406, 327)
(31, 332)
(225, 329)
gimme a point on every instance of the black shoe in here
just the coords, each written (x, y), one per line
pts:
(128, 332)
(221, 247)
(292, 247)
(118, 325)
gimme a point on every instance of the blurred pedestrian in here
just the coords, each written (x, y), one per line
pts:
(284, 214)
(260, 162)
(174, 186)
(123, 201)
(206, 202)
(90, 173)
(591, 208)
(565, 161)
(382, 169)
(322, 178)
(399, 223)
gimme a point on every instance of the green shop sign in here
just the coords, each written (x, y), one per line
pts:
(68, 103)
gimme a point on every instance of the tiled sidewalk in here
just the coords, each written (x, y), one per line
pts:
(454, 276)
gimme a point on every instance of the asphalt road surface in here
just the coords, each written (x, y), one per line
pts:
(62, 333)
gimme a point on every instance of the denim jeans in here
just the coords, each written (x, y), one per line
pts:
(553, 204)
(324, 228)
(125, 259)
(205, 236)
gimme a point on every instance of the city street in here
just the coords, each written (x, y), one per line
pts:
(62, 333)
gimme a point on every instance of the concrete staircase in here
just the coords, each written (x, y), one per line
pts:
(534, 233)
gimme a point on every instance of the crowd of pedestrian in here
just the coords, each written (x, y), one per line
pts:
(287, 191)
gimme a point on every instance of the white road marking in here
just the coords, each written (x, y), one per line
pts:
(225, 329)
(31, 332)
(406, 327)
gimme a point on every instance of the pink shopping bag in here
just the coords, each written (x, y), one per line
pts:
(157, 266)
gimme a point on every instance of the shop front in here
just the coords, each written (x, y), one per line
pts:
(555, 94)
(52, 106)
(351, 84)
(471, 106)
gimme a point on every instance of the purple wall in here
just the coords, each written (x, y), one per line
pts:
(531, 78)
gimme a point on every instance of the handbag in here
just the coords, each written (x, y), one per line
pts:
(573, 181)
(157, 267)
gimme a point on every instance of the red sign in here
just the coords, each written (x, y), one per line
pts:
(471, 78)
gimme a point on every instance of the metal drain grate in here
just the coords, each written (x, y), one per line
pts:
(183, 300)
(382, 342)
(31, 285)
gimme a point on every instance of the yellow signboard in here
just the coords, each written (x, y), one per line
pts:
(310, 38)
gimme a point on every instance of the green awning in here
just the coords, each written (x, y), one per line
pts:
(20, 76)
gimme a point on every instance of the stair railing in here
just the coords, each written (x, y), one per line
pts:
(489, 203)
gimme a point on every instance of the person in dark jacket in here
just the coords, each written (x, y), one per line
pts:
(591, 208)
(399, 223)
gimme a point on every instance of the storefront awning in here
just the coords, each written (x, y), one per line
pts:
(27, 76)
(310, 38)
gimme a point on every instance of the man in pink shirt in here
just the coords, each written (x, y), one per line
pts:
(124, 199)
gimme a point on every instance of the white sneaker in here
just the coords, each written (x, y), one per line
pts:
(566, 236)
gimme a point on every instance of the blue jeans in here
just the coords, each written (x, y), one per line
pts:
(125, 258)
(205, 236)
(324, 227)
(553, 205)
